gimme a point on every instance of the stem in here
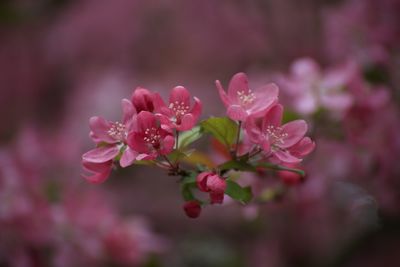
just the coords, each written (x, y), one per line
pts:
(177, 139)
(169, 162)
(237, 139)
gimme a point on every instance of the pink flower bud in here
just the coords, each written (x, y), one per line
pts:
(192, 208)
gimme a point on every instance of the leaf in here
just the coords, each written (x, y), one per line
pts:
(241, 194)
(236, 165)
(198, 157)
(281, 168)
(187, 183)
(188, 137)
(222, 128)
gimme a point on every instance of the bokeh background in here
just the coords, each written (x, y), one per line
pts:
(337, 63)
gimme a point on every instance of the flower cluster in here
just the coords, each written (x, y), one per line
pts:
(159, 134)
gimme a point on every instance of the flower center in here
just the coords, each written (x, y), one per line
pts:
(276, 136)
(152, 136)
(117, 130)
(244, 98)
(180, 109)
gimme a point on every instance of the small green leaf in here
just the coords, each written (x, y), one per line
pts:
(280, 168)
(187, 193)
(241, 194)
(236, 165)
(222, 128)
(188, 137)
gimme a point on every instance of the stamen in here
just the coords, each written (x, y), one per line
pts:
(246, 99)
(179, 108)
(117, 130)
(152, 136)
(276, 136)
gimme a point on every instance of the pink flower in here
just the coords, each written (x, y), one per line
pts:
(111, 140)
(150, 138)
(192, 208)
(178, 113)
(286, 143)
(143, 100)
(241, 102)
(212, 183)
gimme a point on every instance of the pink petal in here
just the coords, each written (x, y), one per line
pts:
(164, 120)
(295, 131)
(146, 120)
(96, 167)
(201, 181)
(216, 184)
(181, 95)
(159, 105)
(266, 97)
(128, 157)
(197, 108)
(236, 112)
(100, 127)
(238, 83)
(253, 131)
(285, 156)
(222, 94)
(128, 110)
(273, 117)
(187, 123)
(136, 142)
(101, 154)
(142, 99)
(217, 197)
(304, 147)
(97, 178)
(144, 157)
(167, 145)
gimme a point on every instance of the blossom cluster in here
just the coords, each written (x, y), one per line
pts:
(159, 132)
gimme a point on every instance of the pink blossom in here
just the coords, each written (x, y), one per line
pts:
(150, 138)
(192, 208)
(143, 100)
(286, 143)
(178, 113)
(110, 138)
(212, 183)
(241, 102)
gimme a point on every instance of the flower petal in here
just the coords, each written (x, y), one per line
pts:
(180, 95)
(238, 83)
(304, 147)
(197, 108)
(272, 118)
(99, 130)
(187, 123)
(128, 111)
(101, 154)
(167, 145)
(142, 99)
(100, 171)
(222, 94)
(146, 120)
(295, 132)
(192, 208)
(265, 98)
(286, 157)
(128, 157)
(217, 197)
(236, 112)
(136, 142)
(216, 184)
(201, 181)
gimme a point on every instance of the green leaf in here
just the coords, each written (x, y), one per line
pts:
(236, 165)
(187, 184)
(241, 194)
(280, 168)
(222, 128)
(188, 137)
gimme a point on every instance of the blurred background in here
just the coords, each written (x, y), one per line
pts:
(337, 63)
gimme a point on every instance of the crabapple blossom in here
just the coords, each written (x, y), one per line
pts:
(111, 140)
(286, 143)
(178, 114)
(241, 102)
(150, 138)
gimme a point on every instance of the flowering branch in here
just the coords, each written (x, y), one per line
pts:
(159, 134)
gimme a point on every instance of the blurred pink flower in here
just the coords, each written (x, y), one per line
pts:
(212, 183)
(283, 142)
(149, 138)
(178, 114)
(241, 102)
